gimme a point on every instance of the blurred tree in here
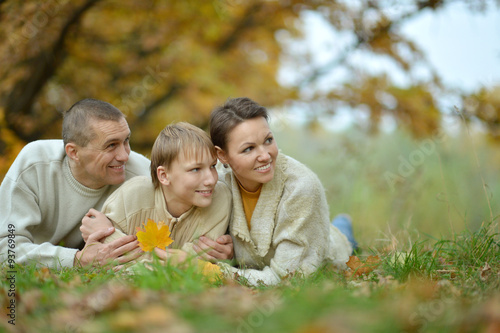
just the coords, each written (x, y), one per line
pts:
(368, 33)
(162, 60)
(157, 61)
(485, 106)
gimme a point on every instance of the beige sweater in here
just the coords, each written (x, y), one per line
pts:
(291, 229)
(137, 200)
(44, 204)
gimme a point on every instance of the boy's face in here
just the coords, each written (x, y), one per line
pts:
(190, 181)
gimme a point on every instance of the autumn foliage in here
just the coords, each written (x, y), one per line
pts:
(164, 61)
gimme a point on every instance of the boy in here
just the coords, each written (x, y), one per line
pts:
(184, 191)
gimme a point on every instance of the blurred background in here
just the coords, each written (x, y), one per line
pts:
(394, 104)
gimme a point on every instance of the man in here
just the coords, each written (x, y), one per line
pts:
(52, 184)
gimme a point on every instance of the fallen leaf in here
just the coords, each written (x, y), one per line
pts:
(43, 274)
(359, 268)
(485, 272)
(153, 235)
(491, 315)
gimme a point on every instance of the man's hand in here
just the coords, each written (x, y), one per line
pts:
(221, 249)
(94, 221)
(95, 253)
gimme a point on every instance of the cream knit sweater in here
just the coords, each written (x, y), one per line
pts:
(137, 200)
(44, 204)
(291, 229)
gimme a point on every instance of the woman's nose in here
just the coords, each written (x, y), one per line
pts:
(264, 155)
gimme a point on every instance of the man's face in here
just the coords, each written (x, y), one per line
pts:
(102, 161)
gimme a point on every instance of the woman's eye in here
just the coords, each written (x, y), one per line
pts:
(195, 169)
(246, 150)
(269, 140)
(213, 166)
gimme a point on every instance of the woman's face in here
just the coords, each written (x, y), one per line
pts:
(251, 152)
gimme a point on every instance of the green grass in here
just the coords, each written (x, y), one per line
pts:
(442, 195)
(434, 232)
(435, 286)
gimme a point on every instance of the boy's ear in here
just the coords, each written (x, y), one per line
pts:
(221, 155)
(162, 175)
(72, 151)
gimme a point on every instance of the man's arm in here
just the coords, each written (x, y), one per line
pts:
(20, 223)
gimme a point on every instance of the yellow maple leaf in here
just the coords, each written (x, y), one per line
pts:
(212, 271)
(153, 235)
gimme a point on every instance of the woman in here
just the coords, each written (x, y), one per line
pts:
(280, 220)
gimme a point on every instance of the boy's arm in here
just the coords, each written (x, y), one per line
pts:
(95, 221)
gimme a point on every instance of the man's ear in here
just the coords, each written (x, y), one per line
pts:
(221, 155)
(162, 175)
(72, 151)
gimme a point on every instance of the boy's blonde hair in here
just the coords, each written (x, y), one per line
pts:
(176, 139)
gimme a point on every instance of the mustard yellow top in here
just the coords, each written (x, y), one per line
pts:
(249, 200)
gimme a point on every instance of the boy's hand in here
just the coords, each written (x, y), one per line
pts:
(221, 249)
(94, 221)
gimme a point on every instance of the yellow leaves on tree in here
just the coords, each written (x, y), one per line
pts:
(153, 235)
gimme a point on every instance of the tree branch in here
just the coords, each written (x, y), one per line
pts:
(247, 21)
(366, 39)
(19, 103)
(141, 119)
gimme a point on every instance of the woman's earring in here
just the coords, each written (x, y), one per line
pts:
(225, 165)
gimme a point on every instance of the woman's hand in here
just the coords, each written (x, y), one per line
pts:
(221, 249)
(94, 221)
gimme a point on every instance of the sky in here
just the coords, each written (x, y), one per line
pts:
(462, 45)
